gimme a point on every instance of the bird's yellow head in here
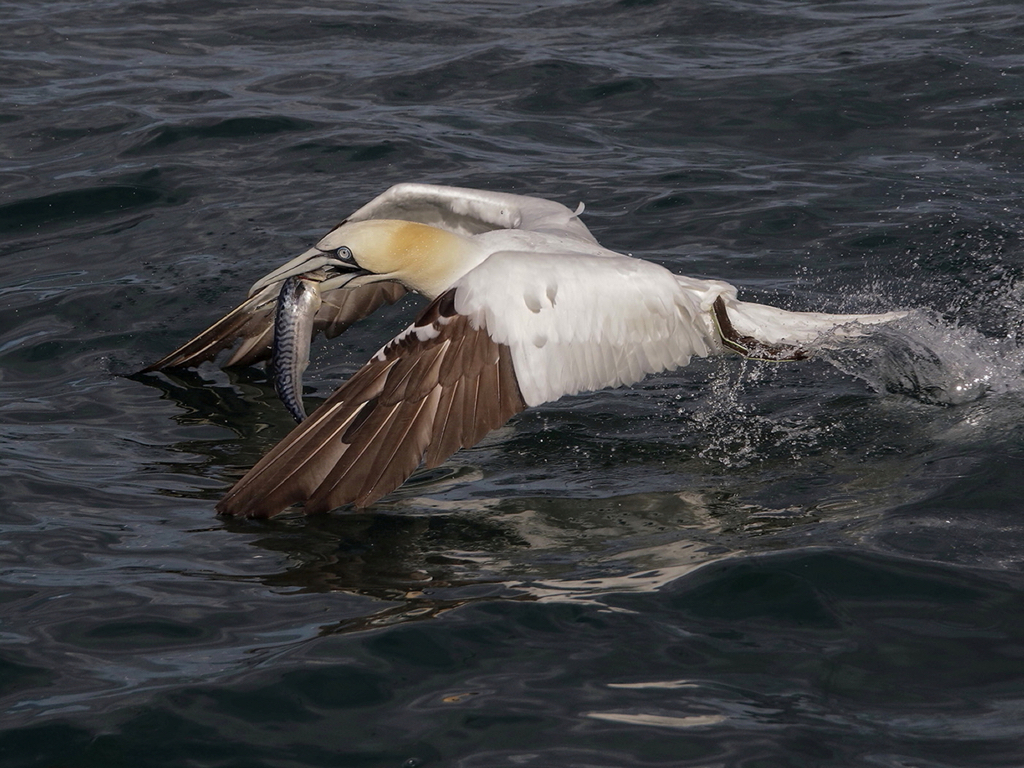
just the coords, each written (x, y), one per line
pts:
(425, 259)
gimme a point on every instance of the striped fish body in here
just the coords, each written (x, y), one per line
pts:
(297, 305)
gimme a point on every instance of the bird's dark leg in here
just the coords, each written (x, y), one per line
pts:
(748, 346)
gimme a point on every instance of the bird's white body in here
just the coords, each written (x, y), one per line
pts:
(525, 298)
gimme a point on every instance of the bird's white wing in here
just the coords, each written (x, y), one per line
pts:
(771, 325)
(252, 324)
(439, 386)
(575, 322)
(473, 211)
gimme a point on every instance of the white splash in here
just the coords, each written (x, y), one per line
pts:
(930, 360)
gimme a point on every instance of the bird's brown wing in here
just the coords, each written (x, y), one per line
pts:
(342, 307)
(252, 322)
(439, 386)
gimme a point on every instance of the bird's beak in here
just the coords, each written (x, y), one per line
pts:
(339, 272)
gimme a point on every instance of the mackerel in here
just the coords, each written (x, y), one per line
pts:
(297, 305)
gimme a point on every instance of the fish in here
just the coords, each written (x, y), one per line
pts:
(297, 304)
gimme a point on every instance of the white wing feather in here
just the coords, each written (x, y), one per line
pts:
(772, 325)
(473, 211)
(577, 322)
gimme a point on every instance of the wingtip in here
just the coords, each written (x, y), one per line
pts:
(165, 364)
(229, 507)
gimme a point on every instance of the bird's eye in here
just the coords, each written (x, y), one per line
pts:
(344, 253)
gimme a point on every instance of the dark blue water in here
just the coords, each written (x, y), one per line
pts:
(734, 564)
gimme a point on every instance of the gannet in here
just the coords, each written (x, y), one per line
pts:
(525, 307)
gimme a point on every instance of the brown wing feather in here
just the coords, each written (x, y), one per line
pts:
(439, 386)
(249, 319)
(295, 467)
(253, 322)
(343, 306)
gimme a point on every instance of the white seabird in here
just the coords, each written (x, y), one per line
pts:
(526, 307)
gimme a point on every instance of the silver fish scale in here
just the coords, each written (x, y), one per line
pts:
(297, 305)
